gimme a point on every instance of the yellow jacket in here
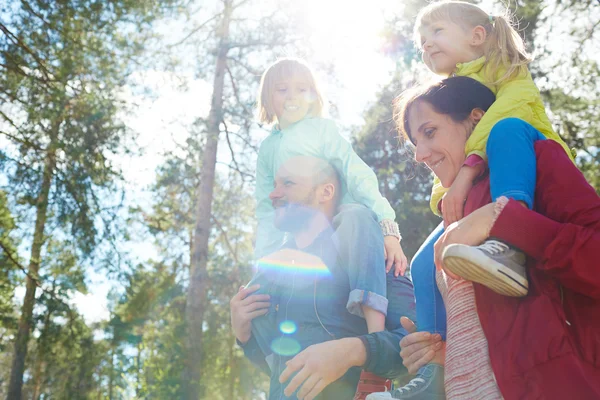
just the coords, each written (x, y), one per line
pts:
(517, 98)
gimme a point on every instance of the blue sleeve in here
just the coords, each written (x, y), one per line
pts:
(383, 348)
(253, 352)
(383, 353)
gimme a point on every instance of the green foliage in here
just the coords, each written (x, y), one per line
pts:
(63, 67)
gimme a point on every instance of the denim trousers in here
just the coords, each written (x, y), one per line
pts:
(512, 165)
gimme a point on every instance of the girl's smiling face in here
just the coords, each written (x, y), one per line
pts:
(445, 44)
(440, 141)
(292, 99)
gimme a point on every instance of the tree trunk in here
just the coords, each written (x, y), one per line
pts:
(196, 294)
(232, 368)
(20, 353)
(139, 371)
(111, 376)
(39, 360)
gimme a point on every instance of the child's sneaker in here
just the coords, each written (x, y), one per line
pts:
(371, 383)
(493, 264)
(427, 385)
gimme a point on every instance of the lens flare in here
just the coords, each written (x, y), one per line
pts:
(293, 261)
(288, 327)
(285, 346)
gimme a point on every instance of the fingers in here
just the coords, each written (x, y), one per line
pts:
(413, 367)
(291, 366)
(411, 358)
(403, 265)
(308, 386)
(255, 298)
(257, 313)
(258, 305)
(388, 264)
(408, 324)
(316, 390)
(244, 292)
(414, 338)
(398, 268)
(296, 381)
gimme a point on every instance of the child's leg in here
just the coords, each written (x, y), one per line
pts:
(401, 301)
(512, 160)
(431, 317)
(513, 167)
(431, 312)
(361, 249)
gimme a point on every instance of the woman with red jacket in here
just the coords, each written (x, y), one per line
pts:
(545, 345)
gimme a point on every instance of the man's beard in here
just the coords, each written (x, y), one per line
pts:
(295, 217)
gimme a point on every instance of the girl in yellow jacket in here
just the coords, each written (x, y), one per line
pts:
(461, 39)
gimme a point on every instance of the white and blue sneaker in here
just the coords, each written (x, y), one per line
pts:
(493, 264)
(428, 384)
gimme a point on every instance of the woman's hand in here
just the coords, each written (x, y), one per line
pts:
(418, 348)
(471, 230)
(394, 255)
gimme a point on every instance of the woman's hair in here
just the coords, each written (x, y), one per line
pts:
(455, 97)
(282, 69)
(504, 47)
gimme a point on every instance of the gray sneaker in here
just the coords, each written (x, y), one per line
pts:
(494, 264)
(427, 385)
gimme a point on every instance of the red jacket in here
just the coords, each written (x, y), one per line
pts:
(547, 344)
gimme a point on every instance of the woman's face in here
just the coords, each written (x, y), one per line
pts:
(440, 141)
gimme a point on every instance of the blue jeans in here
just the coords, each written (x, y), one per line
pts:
(512, 164)
(431, 312)
(512, 160)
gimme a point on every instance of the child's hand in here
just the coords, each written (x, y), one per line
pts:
(394, 255)
(453, 202)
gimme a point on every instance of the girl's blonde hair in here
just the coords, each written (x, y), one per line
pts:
(504, 46)
(284, 69)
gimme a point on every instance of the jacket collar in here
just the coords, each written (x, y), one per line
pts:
(471, 67)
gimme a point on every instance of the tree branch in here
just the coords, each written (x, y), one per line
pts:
(226, 239)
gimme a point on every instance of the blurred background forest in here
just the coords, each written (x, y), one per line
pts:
(127, 150)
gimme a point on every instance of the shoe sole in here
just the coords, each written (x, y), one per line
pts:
(477, 267)
(379, 396)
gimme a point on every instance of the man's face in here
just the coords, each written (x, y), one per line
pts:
(294, 199)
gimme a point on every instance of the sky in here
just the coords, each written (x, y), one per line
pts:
(160, 121)
(340, 32)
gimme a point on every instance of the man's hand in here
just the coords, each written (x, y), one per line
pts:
(394, 255)
(320, 364)
(244, 308)
(471, 230)
(453, 202)
(418, 348)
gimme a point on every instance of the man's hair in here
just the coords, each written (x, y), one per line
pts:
(326, 173)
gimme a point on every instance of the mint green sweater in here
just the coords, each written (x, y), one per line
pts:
(317, 137)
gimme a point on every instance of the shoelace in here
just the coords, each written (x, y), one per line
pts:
(414, 383)
(493, 247)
